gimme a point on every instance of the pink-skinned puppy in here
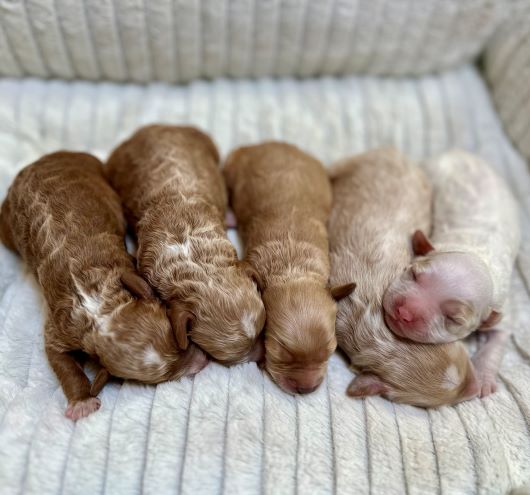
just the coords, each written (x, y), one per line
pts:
(379, 200)
(459, 281)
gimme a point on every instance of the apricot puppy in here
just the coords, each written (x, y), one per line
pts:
(173, 192)
(380, 199)
(66, 222)
(460, 280)
(281, 198)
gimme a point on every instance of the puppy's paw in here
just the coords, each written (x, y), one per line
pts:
(366, 384)
(488, 385)
(82, 408)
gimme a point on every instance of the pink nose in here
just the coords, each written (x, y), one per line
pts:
(404, 314)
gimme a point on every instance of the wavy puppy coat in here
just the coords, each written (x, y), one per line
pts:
(380, 199)
(66, 222)
(173, 192)
(281, 198)
(461, 284)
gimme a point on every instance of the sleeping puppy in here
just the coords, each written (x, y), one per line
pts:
(461, 284)
(174, 196)
(66, 222)
(380, 199)
(281, 198)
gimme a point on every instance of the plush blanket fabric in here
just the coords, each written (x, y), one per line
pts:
(232, 430)
(181, 40)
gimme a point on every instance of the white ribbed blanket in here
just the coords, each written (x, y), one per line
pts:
(181, 40)
(231, 430)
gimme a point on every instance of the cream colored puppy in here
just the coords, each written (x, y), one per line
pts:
(380, 199)
(461, 280)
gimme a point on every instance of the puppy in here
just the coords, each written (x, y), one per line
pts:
(175, 198)
(281, 198)
(461, 284)
(379, 200)
(66, 222)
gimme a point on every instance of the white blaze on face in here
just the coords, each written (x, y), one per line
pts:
(451, 377)
(151, 357)
(248, 323)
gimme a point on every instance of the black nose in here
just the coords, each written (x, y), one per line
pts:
(306, 390)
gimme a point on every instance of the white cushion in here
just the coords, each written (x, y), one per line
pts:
(233, 429)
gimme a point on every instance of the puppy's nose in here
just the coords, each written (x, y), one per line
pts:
(306, 390)
(404, 314)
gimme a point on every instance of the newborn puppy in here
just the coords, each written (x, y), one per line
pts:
(379, 200)
(173, 192)
(66, 222)
(281, 198)
(461, 284)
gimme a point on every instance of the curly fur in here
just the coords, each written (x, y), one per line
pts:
(173, 192)
(66, 222)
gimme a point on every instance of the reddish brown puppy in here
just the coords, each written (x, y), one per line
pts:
(282, 198)
(66, 222)
(173, 191)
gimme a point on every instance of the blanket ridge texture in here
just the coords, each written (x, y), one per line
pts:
(231, 430)
(179, 40)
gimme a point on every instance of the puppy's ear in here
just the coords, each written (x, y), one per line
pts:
(181, 319)
(340, 291)
(493, 318)
(252, 273)
(420, 244)
(367, 384)
(137, 285)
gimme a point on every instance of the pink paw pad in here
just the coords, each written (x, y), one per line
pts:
(82, 408)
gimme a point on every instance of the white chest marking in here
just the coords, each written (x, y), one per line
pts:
(451, 377)
(180, 249)
(92, 305)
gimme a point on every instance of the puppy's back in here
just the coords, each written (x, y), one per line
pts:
(379, 199)
(298, 181)
(46, 206)
(160, 161)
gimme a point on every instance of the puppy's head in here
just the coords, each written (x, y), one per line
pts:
(224, 316)
(300, 333)
(441, 297)
(419, 375)
(136, 341)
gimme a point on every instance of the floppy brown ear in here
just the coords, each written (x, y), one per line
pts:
(340, 291)
(252, 273)
(181, 319)
(493, 318)
(420, 244)
(367, 384)
(137, 285)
